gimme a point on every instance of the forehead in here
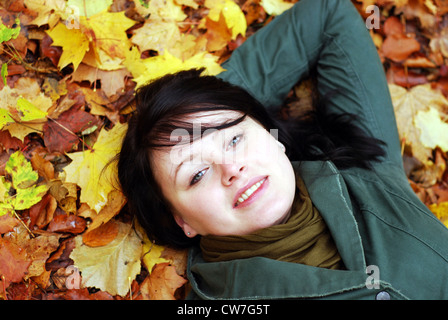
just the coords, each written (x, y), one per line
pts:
(188, 146)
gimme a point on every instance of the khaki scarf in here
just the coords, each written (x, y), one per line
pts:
(304, 239)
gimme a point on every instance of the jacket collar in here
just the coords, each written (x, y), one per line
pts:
(329, 194)
(265, 278)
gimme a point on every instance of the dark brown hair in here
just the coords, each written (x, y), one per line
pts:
(163, 105)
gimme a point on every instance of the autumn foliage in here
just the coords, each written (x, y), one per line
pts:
(69, 70)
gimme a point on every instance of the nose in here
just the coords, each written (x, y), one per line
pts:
(231, 172)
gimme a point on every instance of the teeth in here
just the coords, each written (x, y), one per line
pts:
(249, 192)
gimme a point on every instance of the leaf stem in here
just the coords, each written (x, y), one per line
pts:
(23, 223)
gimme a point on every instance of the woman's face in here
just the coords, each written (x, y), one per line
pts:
(229, 182)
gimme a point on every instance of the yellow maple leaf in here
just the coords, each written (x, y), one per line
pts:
(156, 34)
(74, 44)
(161, 65)
(161, 9)
(89, 171)
(48, 11)
(234, 16)
(407, 103)
(107, 33)
(151, 253)
(433, 131)
(111, 267)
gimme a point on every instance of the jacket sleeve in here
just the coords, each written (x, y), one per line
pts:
(330, 37)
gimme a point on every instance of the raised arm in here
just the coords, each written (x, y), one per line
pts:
(328, 35)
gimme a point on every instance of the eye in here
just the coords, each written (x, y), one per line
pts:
(197, 177)
(235, 140)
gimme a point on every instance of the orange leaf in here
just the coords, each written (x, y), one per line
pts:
(218, 34)
(162, 283)
(13, 263)
(398, 47)
(102, 235)
(7, 223)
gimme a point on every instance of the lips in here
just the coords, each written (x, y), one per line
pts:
(249, 192)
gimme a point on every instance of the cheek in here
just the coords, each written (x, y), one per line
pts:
(200, 207)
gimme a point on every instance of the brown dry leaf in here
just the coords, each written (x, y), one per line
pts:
(42, 213)
(112, 82)
(65, 193)
(162, 283)
(177, 258)
(44, 167)
(439, 42)
(14, 263)
(417, 9)
(38, 250)
(407, 103)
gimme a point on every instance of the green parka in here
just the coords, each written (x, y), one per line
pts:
(392, 246)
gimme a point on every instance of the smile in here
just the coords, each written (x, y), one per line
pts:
(249, 192)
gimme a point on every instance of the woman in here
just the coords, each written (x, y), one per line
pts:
(321, 210)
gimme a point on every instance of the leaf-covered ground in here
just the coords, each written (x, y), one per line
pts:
(69, 69)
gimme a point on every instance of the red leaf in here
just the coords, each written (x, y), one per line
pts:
(67, 223)
(60, 135)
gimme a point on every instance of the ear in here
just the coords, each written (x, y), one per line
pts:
(189, 231)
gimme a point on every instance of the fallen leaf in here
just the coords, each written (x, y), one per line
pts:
(433, 131)
(440, 211)
(233, 15)
(64, 223)
(218, 35)
(275, 7)
(42, 213)
(156, 34)
(111, 267)
(13, 263)
(74, 44)
(65, 193)
(107, 33)
(406, 105)
(7, 223)
(38, 250)
(23, 181)
(398, 47)
(61, 134)
(152, 253)
(102, 235)
(115, 202)
(89, 8)
(162, 283)
(167, 63)
(88, 168)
